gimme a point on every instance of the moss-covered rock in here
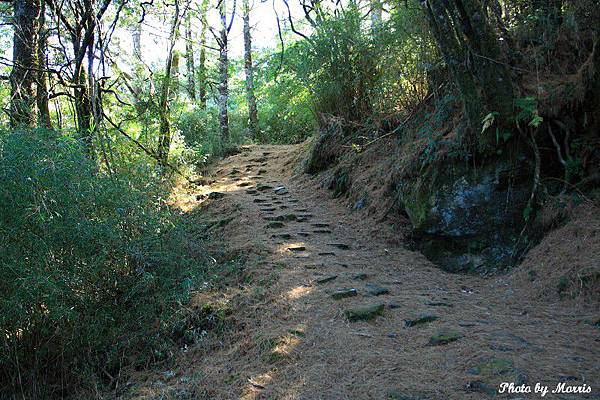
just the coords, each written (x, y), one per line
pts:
(364, 313)
(466, 218)
(444, 336)
(420, 320)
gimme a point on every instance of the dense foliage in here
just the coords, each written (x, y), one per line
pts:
(94, 266)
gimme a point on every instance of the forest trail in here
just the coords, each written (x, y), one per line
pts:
(430, 334)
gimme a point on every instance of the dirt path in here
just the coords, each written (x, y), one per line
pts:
(316, 261)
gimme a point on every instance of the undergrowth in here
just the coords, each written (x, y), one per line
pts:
(95, 268)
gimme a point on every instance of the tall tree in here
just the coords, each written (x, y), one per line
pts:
(164, 134)
(189, 57)
(223, 73)
(249, 70)
(202, 74)
(42, 72)
(23, 76)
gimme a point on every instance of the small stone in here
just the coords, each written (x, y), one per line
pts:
(280, 190)
(360, 276)
(376, 290)
(443, 337)
(263, 187)
(251, 191)
(420, 320)
(341, 246)
(297, 248)
(326, 279)
(343, 293)
(169, 374)
(282, 236)
(439, 304)
(326, 253)
(244, 184)
(365, 313)
(259, 201)
(268, 209)
(304, 234)
(216, 195)
(322, 231)
(312, 266)
(275, 225)
(320, 225)
(392, 335)
(393, 305)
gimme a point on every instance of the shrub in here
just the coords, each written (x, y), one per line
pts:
(92, 266)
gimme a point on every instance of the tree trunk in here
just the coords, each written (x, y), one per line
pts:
(455, 55)
(471, 51)
(23, 75)
(248, 68)
(202, 75)
(164, 134)
(223, 75)
(42, 76)
(81, 94)
(189, 58)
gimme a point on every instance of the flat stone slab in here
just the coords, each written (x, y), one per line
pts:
(439, 304)
(326, 279)
(341, 246)
(297, 248)
(376, 290)
(282, 236)
(263, 187)
(281, 190)
(364, 313)
(443, 337)
(343, 293)
(216, 195)
(420, 320)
